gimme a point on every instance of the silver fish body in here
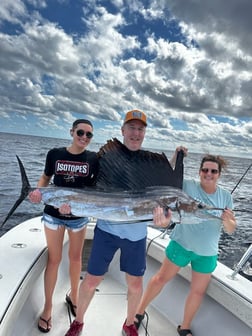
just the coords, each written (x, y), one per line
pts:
(126, 206)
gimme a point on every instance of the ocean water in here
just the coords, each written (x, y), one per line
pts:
(32, 150)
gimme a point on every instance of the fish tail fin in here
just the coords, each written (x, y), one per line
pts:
(24, 191)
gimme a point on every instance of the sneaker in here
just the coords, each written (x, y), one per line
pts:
(130, 330)
(75, 329)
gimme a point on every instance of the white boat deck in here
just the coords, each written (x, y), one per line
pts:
(107, 310)
(105, 315)
(226, 310)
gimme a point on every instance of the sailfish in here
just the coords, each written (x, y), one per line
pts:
(129, 186)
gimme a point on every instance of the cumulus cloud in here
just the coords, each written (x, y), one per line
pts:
(187, 64)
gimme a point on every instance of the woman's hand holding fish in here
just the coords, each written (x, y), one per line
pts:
(228, 220)
(65, 209)
(182, 148)
(161, 218)
(35, 196)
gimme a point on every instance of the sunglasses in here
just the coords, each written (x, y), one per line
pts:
(206, 170)
(80, 133)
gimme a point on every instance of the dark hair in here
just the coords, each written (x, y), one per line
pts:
(81, 121)
(222, 163)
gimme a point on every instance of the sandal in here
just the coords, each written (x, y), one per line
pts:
(183, 332)
(71, 305)
(48, 325)
(139, 318)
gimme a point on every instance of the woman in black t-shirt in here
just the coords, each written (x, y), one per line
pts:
(73, 167)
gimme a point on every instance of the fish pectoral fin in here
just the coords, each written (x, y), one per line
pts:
(177, 207)
(166, 210)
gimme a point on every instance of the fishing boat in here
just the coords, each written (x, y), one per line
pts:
(225, 311)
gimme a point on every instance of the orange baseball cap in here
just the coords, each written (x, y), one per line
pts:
(136, 115)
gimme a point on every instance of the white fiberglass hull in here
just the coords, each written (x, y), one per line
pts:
(226, 310)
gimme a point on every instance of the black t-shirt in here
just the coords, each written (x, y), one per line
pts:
(70, 170)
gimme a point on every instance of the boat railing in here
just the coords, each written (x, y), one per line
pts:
(243, 261)
(242, 265)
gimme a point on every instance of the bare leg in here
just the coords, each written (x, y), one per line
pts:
(86, 293)
(166, 272)
(198, 288)
(76, 242)
(135, 289)
(54, 240)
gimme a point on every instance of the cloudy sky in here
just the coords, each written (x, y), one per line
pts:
(187, 64)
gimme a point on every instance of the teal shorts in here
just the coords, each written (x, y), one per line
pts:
(182, 257)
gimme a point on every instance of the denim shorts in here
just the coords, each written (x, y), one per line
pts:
(105, 245)
(54, 223)
(181, 257)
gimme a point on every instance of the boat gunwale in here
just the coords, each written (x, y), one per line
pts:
(228, 292)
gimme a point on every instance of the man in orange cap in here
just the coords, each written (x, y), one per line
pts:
(108, 238)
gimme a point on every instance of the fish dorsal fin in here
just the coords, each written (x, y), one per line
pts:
(125, 169)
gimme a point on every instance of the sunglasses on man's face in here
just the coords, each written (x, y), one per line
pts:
(206, 170)
(81, 133)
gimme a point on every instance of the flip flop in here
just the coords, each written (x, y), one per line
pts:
(71, 305)
(138, 320)
(48, 325)
(183, 332)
